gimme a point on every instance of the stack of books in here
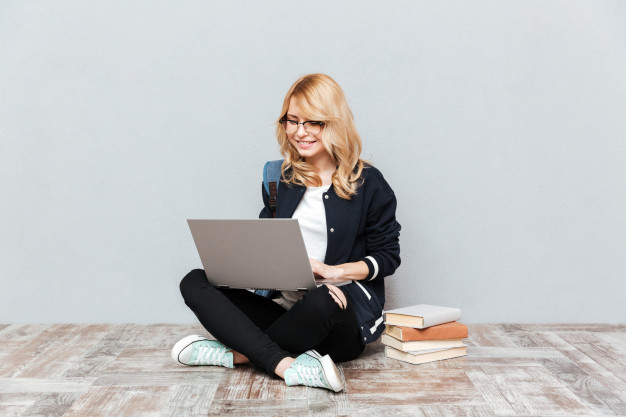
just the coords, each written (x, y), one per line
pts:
(424, 333)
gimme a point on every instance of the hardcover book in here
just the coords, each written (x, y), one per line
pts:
(429, 356)
(421, 316)
(421, 345)
(451, 330)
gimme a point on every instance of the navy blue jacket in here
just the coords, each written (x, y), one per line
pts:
(363, 228)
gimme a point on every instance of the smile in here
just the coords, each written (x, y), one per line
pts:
(304, 142)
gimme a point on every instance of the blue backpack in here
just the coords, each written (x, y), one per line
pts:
(271, 177)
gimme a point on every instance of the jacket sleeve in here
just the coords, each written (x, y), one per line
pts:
(266, 213)
(382, 233)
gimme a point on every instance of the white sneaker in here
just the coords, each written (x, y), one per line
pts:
(198, 350)
(314, 370)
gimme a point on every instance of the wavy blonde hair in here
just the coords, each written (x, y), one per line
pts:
(320, 98)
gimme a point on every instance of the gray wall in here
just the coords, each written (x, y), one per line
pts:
(500, 125)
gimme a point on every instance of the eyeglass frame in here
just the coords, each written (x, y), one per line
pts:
(283, 120)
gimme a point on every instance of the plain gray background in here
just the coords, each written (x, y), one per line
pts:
(500, 125)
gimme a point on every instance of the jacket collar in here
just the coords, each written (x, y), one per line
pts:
(289, 197)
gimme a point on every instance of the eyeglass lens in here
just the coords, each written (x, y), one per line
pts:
(312, 128)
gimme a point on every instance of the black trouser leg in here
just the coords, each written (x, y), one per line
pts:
(318, 322)
(236, 318)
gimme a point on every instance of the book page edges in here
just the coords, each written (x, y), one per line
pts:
(405, 320)
(420, 345)
(426, 357)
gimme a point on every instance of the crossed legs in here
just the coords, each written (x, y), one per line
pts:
(264, 333)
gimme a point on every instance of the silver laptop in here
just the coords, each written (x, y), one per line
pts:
(255, 254)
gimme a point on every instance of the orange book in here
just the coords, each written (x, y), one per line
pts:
(452, 330)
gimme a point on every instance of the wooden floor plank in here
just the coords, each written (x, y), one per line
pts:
(566, 327)
(491, 392)
(121, 401)
(21, 332)
(427, 386)
(190, 400)
(145, 367)
(259, 408)
(532, 391)
(51, 405)
(584, 377)
(14, 404)
(249, 382)
(101, 354)
(325, 403)
(148, 360)
(613, 337)
(600, 352)
(24, 342)
(488, 335)
(68, 346)
(32, 385)
(12, 410)
(162, 336)
(456, 410)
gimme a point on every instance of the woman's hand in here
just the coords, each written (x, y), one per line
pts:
(323, 271)
(348, 271)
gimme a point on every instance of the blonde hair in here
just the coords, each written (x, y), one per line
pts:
(320, 98)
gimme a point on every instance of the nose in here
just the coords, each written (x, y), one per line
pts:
(301, 132)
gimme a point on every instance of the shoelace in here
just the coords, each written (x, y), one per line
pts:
(210, 355)
(310, 375)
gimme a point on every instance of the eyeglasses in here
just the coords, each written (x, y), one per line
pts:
(311, 127)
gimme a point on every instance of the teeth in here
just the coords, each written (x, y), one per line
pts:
(306, 143)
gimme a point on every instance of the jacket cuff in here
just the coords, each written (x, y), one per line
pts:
(373, 267)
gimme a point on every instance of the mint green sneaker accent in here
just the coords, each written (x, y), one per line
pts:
(314, 370)
(198, 350)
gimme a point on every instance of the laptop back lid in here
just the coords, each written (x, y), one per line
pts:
(253, 254)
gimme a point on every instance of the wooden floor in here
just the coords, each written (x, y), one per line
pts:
(126, 370)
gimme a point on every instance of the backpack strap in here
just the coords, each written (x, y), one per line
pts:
(271, 177)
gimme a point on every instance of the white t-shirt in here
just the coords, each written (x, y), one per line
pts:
(311, 216)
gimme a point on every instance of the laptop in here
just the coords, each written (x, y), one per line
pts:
(255, 254)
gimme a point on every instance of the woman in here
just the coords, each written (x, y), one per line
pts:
(346, 212)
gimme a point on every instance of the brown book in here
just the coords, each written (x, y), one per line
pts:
(452, 330)
(429, 356)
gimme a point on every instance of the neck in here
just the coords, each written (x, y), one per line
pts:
(324, 166)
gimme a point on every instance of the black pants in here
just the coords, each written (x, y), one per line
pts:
(265, 332)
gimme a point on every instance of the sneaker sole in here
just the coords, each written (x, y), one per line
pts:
(182, 344)
(330, 371)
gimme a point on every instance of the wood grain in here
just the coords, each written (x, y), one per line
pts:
(96, 370)
(51, 405)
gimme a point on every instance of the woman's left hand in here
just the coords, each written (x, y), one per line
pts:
(323, 271)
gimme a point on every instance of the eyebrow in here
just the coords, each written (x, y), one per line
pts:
(291, 116)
